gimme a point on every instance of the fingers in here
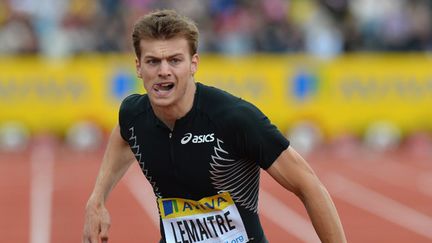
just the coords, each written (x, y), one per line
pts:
(94, 238)
(104, 232)
(105, 225)
(90, 236)
(96, 225)
(91, 231)
(90, 239)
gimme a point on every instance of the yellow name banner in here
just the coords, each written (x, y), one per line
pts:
(178, 207)
(211, 219)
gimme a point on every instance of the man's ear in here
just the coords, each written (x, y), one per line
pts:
(138, 67)
(194, 63)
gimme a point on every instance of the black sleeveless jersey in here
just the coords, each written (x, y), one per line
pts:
(218, 146)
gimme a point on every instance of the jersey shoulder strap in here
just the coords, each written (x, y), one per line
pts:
(244, 126)
(130, 108)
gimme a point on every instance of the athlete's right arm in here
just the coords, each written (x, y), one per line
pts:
(117, 159)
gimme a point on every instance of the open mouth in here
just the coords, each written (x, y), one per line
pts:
(164, 86)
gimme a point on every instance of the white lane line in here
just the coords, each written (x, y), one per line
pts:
(424, 183)
(143, 193)
(42, 167)
(379, 205)
(396, 174)
(292, 222)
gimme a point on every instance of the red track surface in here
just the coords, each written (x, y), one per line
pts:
(401, 177)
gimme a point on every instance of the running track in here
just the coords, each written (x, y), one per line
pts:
(380, 197)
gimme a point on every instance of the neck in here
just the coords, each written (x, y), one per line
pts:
(169, 114)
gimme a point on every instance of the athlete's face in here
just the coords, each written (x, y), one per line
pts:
(166, 68)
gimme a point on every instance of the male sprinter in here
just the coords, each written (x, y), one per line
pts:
(200, 148)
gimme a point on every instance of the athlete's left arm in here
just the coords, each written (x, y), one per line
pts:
(294, 173)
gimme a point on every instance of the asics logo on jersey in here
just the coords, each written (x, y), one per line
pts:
(206, 138)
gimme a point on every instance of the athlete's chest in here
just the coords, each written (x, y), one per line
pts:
(180, 161)
(187, 151)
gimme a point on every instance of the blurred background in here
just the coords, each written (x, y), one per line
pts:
(349, 82)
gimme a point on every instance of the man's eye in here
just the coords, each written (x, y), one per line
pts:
(152, 61)
(175, 61)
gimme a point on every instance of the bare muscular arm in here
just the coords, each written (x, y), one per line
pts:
(293, 172)
(117, 159)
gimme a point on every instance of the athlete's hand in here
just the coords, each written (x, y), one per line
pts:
(96, 225)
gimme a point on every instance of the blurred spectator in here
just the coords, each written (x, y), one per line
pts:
(77, 27)
(320, 27)
(16, 32)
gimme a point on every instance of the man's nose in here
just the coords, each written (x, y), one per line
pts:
(164, 69)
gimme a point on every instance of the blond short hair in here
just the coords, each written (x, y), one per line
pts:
(163, 25)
